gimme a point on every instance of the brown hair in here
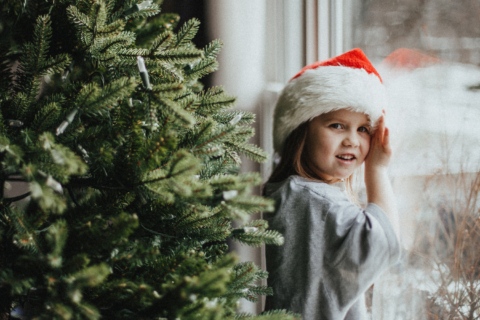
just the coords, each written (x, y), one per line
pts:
(294, 161)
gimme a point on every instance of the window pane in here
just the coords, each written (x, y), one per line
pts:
(447, 29)
(428, 52)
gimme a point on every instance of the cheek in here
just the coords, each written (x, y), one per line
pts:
(365, 146)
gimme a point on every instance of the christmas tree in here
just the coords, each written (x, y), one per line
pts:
(120, 171)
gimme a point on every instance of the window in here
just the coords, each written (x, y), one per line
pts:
(428, 53)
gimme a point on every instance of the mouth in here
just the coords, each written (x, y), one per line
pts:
(346, 157)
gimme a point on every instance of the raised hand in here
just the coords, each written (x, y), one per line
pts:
(380, 149)
(377, 182)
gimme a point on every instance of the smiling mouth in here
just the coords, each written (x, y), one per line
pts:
(346, 157)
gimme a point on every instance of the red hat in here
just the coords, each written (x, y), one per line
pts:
(348, 81)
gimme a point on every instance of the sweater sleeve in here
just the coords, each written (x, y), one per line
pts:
(363, 245)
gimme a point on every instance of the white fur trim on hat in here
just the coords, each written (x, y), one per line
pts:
(325, 89)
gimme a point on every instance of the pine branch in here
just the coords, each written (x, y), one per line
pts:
(201, 69)
(33, 59)
(47, 117)
(257, 238)
(213, 101)
(104, 45)
(187, 33)
(95, 101)
(251, 151)
(97, 17)
(161, 42)
(235, 117)
(212, 49)
(182, 116)
(111, 29)
(235, 181)
(245, 276)
(81, 20)
(42, 35)
(132, 54)
(255, 233)
(178, 55)
(153, 10)
(55, 65)
(166, 73)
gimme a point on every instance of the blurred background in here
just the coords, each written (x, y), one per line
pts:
(428, 52)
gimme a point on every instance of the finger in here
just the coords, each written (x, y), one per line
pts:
(386, 137)
(381, 129)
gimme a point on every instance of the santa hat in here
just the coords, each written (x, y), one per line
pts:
(348, 81)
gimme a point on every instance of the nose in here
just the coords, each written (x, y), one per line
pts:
(351, 140)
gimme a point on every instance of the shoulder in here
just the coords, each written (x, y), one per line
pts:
(296, 186)
(299, 195)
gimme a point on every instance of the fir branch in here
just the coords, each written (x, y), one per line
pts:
(55, 65)
(243, 134)
(161, 42)
(251, 151)
(42, 35)
(235, 181)
(207, 138)
(81, 20)
(181, 115)
(201, 69)
(24, 236)
(104, 44)
(245, 276)
(165, 72)
(169, 89)
(153, 10)
(258, 238)
(242, 206)
(202, 132)
(213, 101)
(95, 102)
(187, 32)
(97, 17)
(234, 157)
(255, 233)
(178, 55)
(131, 53)
(212, 49)
(112, 29)
(22, 100)
(46, 118)
(245, 118)
(32, 60)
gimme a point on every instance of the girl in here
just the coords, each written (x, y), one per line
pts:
(328, 121)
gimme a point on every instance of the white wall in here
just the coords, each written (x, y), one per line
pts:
(241, 26)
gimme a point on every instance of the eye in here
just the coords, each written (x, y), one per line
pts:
(364, 129)
(336, 126)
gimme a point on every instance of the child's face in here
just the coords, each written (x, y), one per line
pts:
(337, 143)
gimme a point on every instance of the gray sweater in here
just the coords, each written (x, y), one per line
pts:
(333, 251)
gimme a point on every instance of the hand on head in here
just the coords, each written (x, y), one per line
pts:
(379, 188)
(380, 149)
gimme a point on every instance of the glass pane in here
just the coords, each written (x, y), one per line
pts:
(428, 53)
